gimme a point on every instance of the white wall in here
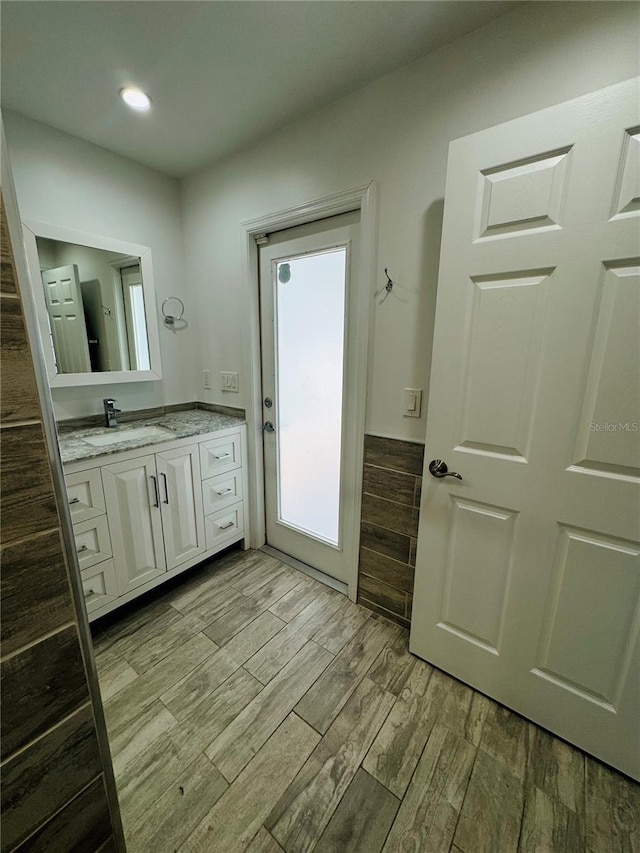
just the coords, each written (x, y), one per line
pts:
(396, 132)
(65, 181)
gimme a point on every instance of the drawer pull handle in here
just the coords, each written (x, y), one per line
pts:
(82, 548)
(225, 492)
(74, 501)
(90, 593)
(222, 456)
(227, 525)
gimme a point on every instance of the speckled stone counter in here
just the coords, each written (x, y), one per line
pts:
(192, 422)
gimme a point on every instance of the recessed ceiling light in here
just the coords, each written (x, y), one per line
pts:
(135, 98)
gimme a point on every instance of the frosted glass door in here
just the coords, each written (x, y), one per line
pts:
(305, 276)
(309, 310)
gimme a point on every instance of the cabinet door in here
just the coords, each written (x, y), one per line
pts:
(133, 509)
(181, 504)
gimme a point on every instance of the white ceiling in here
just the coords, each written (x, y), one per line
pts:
(220, 74)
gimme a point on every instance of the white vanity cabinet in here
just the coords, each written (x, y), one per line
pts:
(142, 516)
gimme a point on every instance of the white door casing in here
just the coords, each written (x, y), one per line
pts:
(63, 298)
(528, 572)
(315, 237)
(181, 504)
(132, 496)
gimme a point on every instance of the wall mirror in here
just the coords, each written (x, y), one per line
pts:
(96, 306)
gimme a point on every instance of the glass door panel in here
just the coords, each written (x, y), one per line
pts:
(310, 321)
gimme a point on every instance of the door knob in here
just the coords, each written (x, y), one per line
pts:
(438, 468)
(268, 427)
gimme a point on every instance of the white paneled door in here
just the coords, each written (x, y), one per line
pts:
(528, 568)
(65, 308)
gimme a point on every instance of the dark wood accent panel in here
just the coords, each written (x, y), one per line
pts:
(18, 392)
(34, 590)
(392, 572)
(388, 484)
(391, 491)
(82, 826)
(393, 545)
(389, 514)
(409, 606)
(418, 493)
(386, 596)
(382, 611)
(48, 728)
(42, 684)
(27, 504)
(7, 270)
(42, 778)
(108, 847)
(406, 456)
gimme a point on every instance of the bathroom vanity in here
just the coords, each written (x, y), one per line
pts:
(152, 498)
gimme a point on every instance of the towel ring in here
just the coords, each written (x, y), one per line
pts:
(170, 319)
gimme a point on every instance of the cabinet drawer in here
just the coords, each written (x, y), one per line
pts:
(86, 498)
(99, 585)
(220, 455)
(93, 542)
(222, 491)
(223, 525)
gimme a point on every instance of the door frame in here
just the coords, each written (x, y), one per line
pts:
(362, 198)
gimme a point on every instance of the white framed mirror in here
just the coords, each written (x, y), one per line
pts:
(96, 306)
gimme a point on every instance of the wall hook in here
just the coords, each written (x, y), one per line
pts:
(388, 287)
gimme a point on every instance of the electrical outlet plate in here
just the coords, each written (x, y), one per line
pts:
(206, 379)
(228, 381)
(412, 402)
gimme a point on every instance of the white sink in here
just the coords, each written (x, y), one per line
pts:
(118, 435)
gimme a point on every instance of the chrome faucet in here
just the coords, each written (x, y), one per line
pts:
(110, 412)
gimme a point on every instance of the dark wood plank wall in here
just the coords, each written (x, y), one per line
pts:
(53, 785)
(391, 488)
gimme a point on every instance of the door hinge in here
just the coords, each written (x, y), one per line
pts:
(261, 239)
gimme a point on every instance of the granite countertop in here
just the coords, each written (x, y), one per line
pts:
(74, 447)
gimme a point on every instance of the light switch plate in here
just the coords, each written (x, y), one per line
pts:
(412, 405)
(228, 381)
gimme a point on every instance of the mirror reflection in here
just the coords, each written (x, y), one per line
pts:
(95, 308)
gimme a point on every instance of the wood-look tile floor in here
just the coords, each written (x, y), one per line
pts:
(252, 708)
